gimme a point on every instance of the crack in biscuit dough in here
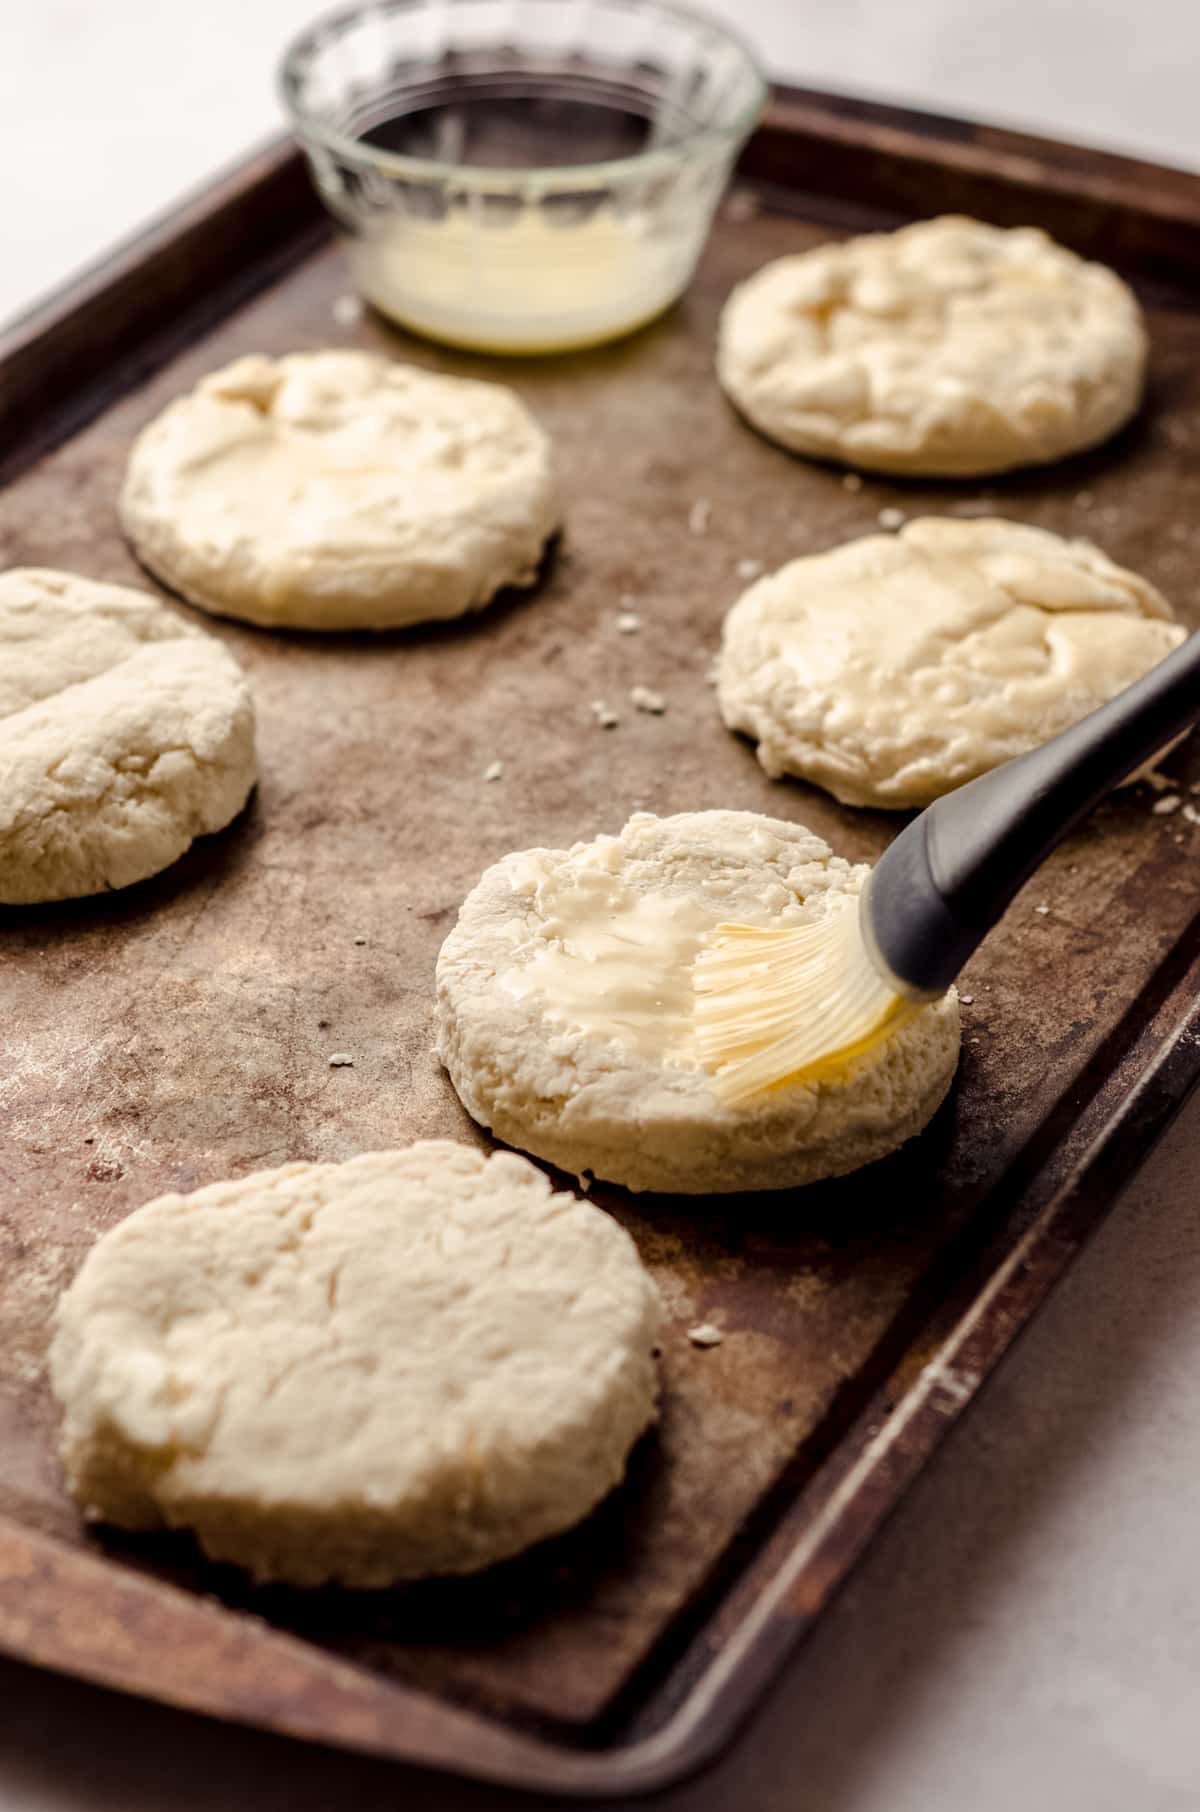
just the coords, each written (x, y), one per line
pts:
(892, 669)
(948, 348)
(337, 490)
(564, 1011)
(124, 735)
(417, 1362)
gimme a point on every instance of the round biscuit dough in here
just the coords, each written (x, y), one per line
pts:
(124, 734)
(894, 668)
(339, 490)
(418, 1362)
(948, 348)
(589, 1099)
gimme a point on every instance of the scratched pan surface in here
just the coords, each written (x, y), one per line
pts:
(180, 1031)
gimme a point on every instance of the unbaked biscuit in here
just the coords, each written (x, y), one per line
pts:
(949, 348)
(125, 733)
(892, 669)
(340, 490)
(565, 1011)
(416, 1362)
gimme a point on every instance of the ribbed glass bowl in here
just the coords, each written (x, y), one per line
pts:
(521, 175)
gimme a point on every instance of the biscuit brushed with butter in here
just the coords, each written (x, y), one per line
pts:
(340, 490)
(948, 348)
(894, 668)
(565, 1011)
(416, 1362)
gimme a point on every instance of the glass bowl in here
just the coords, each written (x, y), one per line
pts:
(521, 175)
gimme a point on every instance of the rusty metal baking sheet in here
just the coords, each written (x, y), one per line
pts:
(179, 1032)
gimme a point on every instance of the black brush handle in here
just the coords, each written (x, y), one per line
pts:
(941, 886)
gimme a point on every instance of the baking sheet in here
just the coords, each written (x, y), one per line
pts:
(179, 1032)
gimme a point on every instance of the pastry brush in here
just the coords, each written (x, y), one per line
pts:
(777, 1005)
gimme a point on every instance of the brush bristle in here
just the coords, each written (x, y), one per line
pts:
(777, 1005)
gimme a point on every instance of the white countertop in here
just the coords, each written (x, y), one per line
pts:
(1027, 1631)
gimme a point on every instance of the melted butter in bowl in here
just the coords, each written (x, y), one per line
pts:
(522, 186)
(530, 286)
